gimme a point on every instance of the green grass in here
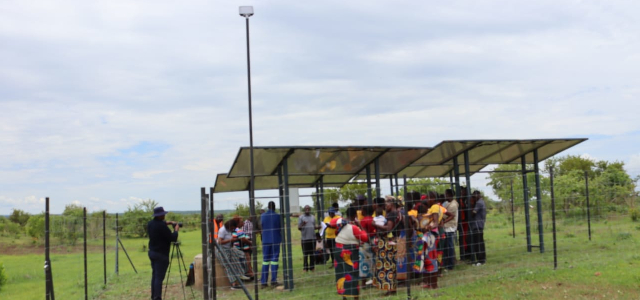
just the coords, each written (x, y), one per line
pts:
(605, 267)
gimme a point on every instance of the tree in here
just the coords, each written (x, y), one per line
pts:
(35, 226)
(19, 217)
(135, 219)
(243, 210)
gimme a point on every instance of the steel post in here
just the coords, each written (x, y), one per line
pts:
(84, 238)
(281, 193)
(369, 192)
(203, 236)
(376, 167)
(513, 215)
(586, 190)
(288, 226)
(553, 221)
(536, 169)
(525, 190)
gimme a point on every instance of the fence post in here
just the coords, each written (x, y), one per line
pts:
(553, 219)
(117, 239)
(408, 240)
(513, 215)
(84, 230)
(203, 228)
(104, 245)
(50, 295)
(586, 188)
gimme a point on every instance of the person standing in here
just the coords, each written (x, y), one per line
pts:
(348, 238)
(330, 234)
(307, 226)
(450, 227)
(271, 239)
(366, 255)
(160, 238)
(478, 218)
(386, 250)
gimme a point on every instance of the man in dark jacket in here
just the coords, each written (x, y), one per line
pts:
(160, 238)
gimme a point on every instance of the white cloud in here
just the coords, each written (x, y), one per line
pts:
(82, 82)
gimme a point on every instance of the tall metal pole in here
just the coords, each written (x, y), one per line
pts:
(460, 231)
(538, 200)
(252, 196)
(553, 220)
(525, 190)
(104, 244)
(84, 237)
(586, 189)
(451, 180)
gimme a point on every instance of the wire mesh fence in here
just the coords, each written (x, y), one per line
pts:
(583, 235)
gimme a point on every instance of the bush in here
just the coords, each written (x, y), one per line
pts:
(635, 214)
(19, 217)
(3, 276)
(35, 226)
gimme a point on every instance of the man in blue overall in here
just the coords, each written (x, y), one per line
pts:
(271, 239)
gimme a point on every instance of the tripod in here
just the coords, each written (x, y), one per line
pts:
(176, 250)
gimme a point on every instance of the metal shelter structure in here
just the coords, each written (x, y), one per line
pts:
(323, 166)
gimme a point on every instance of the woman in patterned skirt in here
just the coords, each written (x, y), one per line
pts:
(349, 235)
(386, 250)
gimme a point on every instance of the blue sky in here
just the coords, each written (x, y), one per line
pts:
(106, 103)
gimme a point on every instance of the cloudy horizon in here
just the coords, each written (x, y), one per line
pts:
(107, 103)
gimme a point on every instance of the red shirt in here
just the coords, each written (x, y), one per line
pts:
(367, 225)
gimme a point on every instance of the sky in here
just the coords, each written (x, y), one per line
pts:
(106, 103)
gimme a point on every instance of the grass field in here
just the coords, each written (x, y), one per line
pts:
(607, 267)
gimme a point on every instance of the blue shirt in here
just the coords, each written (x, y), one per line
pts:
(271, 228)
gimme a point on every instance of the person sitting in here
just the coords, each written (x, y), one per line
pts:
(233, 259)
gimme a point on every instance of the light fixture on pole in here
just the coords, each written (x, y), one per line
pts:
(246, 12)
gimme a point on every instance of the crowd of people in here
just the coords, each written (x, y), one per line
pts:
(376, 243)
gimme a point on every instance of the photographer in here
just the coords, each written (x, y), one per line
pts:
(160, 238)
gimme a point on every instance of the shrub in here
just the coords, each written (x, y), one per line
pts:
(635, 214)
(3, 276)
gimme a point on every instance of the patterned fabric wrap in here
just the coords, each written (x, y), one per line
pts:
(401, 257)
(427, 255)
(366, 261)
(346, 269)
(384, 278)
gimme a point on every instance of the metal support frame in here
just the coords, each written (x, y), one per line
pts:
(391, 185)
(553, 220)
(281, 189)
(288, 226)
(460, 231)
(212, 250)
(104, 245)
(525, 190)
(586, 190)
(203, 229)
(407, 207)
(376, 169)
(513, 214)
(50, 295)
(451, 180)
(397, 187)
(369, 193)
(467, 205)
(536, 169)
(84, 238)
